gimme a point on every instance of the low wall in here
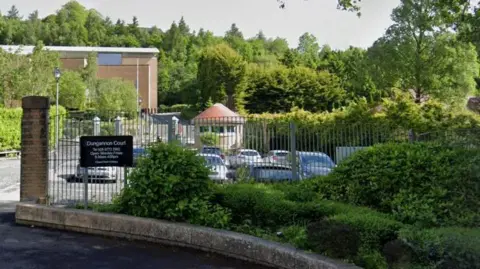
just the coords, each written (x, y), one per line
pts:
(227, 243)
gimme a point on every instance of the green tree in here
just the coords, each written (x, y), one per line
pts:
(418, 53)
(221, 76)
(115, 95)
(72, 91)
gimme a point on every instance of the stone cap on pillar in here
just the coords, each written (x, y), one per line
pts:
(35, 102)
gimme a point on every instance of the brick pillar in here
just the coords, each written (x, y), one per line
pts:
(34, 161)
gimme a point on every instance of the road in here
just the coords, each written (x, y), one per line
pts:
(10, 180)
(34, 248)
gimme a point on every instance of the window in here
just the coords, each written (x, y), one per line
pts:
(204, 129)
(230, 129)
(109, 59)
(218, 129)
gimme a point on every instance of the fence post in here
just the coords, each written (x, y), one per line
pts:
(34, 151)
(293, 149)
(170, 130)
(96, 126)
(118, 125)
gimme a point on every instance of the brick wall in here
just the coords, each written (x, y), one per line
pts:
(34, 161)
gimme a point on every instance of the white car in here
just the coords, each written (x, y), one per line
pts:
(245, 157)
(218, 169)
(277, 157)
(108, 173)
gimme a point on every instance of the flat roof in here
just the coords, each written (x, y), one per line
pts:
(29, 49)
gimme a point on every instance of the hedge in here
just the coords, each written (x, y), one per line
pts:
(10, 127)
(430, 184)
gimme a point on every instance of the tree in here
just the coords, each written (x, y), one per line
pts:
(115, 95)
(221, 76)
(72, 91)
(419, 53)
(13, 13)
(308, 49)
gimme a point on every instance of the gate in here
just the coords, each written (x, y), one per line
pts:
(66, 183)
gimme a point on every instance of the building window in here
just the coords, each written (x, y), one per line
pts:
(204, 129)
(109, 59)
(218, 129)
(230, 129)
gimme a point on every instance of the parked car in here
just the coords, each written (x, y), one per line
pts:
(245, 156)
(214, 150)
(105, 173)
(313, 164)
(277, 156)
(268, 172)
(218, 169)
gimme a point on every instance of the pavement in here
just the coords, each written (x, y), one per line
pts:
(24, 247)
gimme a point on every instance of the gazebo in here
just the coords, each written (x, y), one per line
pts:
(220, 121)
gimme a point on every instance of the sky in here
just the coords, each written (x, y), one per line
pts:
(339, 29)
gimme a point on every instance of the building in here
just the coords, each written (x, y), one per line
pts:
(138, 65)
(221, 121)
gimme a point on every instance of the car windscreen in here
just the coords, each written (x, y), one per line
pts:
(211, 151)
(270, 173)
(317, 160)
(249, 153)
(281, 154)
(211, 160)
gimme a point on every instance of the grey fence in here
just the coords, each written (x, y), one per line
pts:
(234, 148)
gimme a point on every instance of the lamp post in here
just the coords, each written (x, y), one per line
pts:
(57, 74)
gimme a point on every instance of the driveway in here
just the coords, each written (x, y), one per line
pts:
(34, 248)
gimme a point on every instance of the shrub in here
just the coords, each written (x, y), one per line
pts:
(10, 127)
(264, 207)
(444, 247)
(209, 139)
(172, 184)
(424, 183)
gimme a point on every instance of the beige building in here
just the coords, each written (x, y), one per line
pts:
(138, 65)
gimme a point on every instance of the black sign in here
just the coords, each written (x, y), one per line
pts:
(106, 151)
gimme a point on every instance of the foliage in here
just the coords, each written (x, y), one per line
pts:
(411, 181)
(221, 75)
(115, 95)
(62, 115)
(444, 247)
(72, 91)
(10, 129)
(209, 139)
(172, 184)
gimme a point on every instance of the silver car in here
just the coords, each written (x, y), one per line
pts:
(277, 156)
(245, 157)
(107, 173)
(218, 169)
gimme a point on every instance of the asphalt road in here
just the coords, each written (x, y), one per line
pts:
(35, 248)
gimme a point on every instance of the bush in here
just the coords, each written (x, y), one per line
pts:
(261, 206)
(424, 183)
(172, 184)
(209, 139)
(10, 127)
(444, 248)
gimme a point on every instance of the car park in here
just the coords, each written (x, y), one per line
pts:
(214, 150)
(277, 156)
(97, 173)
(266, 172)
(313, 164)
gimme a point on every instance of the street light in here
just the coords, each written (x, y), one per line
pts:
(57, 74)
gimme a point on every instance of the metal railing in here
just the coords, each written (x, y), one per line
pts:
(234, 148)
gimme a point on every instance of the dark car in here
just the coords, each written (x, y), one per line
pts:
(138, 153)
(213, 150)
(265, 172)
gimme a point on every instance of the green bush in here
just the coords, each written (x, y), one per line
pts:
(10, 127)
(444, 248)
(172, 184)
(424, 183)
(209, 139)
(263, 207)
